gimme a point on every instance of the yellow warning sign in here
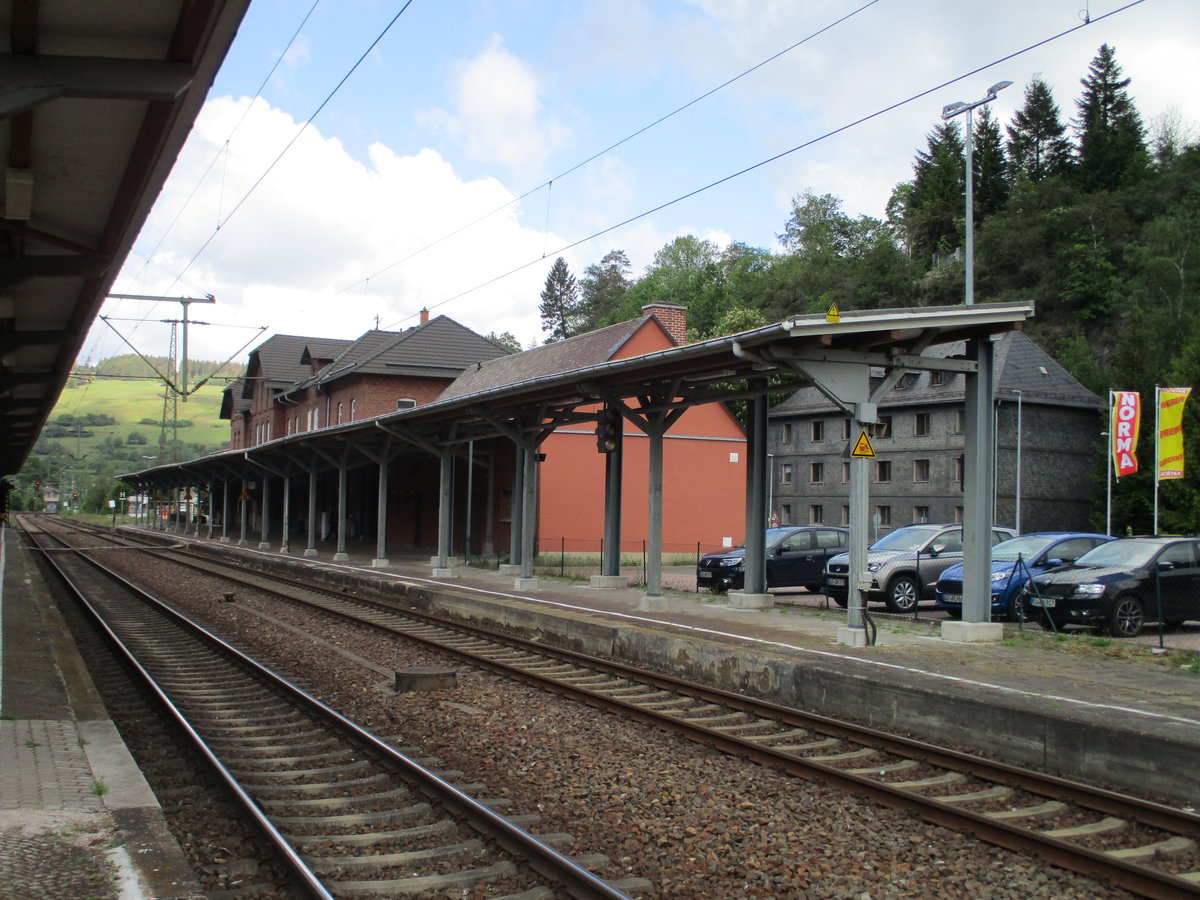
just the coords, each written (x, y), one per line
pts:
(833, 314)
(862, 446)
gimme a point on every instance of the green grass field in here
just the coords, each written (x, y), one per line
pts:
(131, 401)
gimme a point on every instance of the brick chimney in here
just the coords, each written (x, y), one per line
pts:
(424, 316)
(671, 317)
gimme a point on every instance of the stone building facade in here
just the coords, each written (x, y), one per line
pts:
(1044, 418)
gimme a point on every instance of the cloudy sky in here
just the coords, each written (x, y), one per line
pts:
(456, 161)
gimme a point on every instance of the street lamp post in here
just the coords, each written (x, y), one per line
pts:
(949, 112)
(1017, 514)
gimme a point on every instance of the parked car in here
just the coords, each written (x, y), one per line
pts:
(796, 556)
(1014, 562)
(904, 564)
(1121, 585)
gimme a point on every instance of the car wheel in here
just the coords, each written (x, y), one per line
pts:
(1127, 617)
(903, 594)
(812, 588)
(843, 602)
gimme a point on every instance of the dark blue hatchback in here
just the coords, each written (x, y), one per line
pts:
(1013, 563)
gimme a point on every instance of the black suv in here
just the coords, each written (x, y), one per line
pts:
(796, 557)
(1121, 585)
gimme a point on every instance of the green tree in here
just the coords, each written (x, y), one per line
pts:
(507, 340)
(560, 302)
(1112, 145)
(990, 171)
(1037, 144)
(934, 208)
(685, 272)
(602, 288)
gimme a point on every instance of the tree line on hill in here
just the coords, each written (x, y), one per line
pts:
(1095, 221)
(130, 365)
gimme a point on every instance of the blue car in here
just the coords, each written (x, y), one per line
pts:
(1038, 552)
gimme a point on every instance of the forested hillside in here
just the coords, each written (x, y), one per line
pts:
(1091, 215)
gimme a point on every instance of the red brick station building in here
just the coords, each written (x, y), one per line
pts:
(298, 386)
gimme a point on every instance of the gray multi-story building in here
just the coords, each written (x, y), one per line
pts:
(1045, 420)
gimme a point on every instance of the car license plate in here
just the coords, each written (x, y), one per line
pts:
(952, 598)
(1043, 602)
(836, 582)
(705, 574)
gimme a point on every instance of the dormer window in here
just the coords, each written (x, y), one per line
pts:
(405, 403)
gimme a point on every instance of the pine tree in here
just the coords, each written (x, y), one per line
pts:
(602, 288)
(990, 171)
(934, 206)
(1112, 144)
(1037, 147)
(560, 302)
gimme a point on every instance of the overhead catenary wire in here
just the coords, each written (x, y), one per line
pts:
(778, 156)
(549, 183)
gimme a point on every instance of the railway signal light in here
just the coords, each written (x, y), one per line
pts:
(608, 430)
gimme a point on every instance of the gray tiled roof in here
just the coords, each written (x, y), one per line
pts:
(1020, 365)
(323, 349)
(233, 401)
(577, 352)
(276, 362)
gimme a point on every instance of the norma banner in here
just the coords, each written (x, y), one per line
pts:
(1170, 431)
(1126, 419)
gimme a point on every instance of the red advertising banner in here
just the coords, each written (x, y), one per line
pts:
(1126, 417)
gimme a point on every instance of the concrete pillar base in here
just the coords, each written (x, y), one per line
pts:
(341, 557)
(608, 582)
(742, 600)
(222, 540)
(525, 584)
(972, 632)
(652, 603)
(510, 569)
(450, 561)
(241, 543)
(439, 572)
(853, 637)
(285, 550)
(311, 551)
(264, 545)
(380, 563)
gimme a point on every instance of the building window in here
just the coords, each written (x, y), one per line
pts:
(960, 420)
(818, 431)
(921, 425)
(958, 471)
(339, 412)
(816, 473)
(883, 471)
(847, 427)
(308, 421)
(882, 428)
(936, 378)
(920, 470)
(785, 473)
(353, 409)
(787, 433)
(885, 516)
(845, 515)
(506, 506)
(785, 517)
(958, 515)
(816, 514)
(920, 514)
(845, 471)
(405, 403)
(317, 417)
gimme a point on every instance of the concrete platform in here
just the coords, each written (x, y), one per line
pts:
(77, 818)
(1106, 711)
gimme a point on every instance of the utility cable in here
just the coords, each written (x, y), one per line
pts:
(779, 156)
(549, 184)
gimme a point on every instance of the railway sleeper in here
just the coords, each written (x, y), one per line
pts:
(861, 753)
(780, 735)
(1102, 826)
(724, 720)
(887, 768)
(258, 757)
(353, 820)
(326, 864)
(326, 773)
(275, 791)
(1177, 844)
(372, 837)
(1049, 808)
(420, 883)
(999, 792)
(921, 784)
(260, 748)
(812, 745)
(399, 795)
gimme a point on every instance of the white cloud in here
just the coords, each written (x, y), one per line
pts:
(498, 113)
(296, 255)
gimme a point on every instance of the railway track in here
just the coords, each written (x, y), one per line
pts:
(347, 814)
(1144, 847)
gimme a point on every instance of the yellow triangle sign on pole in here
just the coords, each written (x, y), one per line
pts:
(833, 314)
(862, 447)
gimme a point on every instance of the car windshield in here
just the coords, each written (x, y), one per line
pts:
(1027, 546)
(775, 535)
(1128, 554)
(904, 539)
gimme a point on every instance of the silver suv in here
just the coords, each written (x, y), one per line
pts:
(904, 564)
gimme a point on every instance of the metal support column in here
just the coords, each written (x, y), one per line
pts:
(467, 546)
(441, 565)
(610, 563)
(381, 559)
(859, 516)
(654, 524)
(311, 549)
(244, 500)
(529, 502)
(286, 525)
(754, 590)
(211, 511)
(517, 513)
(225, 510)
(264, 542)
(341, 555)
